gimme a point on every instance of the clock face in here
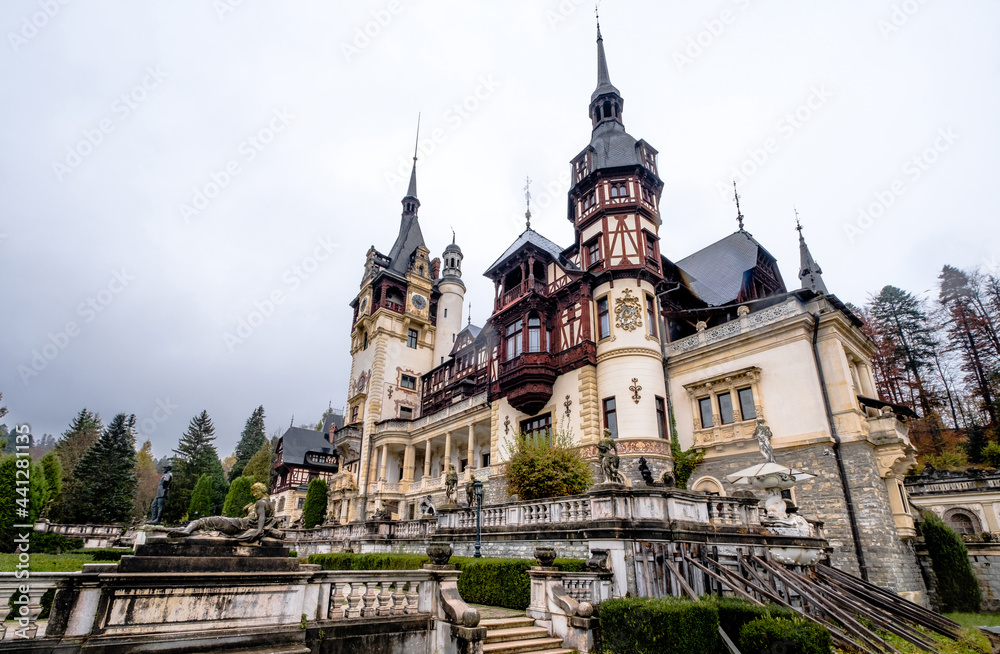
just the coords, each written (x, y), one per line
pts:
(364, 305)
(419, 301)
(361, 382)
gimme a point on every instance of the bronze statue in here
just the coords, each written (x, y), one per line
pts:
(162, 492)
(259, 523)
(451, 484)
(607, 451)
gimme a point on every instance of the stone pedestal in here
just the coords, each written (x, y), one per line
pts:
(208, 555)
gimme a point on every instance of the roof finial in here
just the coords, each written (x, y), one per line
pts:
(453, 236)
(527, 200)
(291, 422)
(470, 314)
(597, 15)
(739, 213)
(798, 225)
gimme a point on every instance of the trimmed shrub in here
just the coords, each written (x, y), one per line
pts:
(52, 543)
(238, 497)
(315, 506)
(735, 612)
(768, 635)
(957, 586)
(643, 625)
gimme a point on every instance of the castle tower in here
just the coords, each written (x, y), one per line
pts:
(449, 306)
(614, 208)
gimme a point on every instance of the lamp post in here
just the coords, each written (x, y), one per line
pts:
(477, 489)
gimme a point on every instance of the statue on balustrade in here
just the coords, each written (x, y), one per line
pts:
(259, 523)
(763, 435)
(162, 492)
(607, 451)
(451, 484)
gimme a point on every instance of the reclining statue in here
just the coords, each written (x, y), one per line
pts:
(259, 523)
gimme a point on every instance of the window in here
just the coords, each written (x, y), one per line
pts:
(548, 340)
(408, 381)
(281, 504)
(446, 312)
(661, 417)
(539, 427)
(486, 460)
(463, 464)
(650, 246)
(299, 503)
(747, 409)
(364, 345)
(593, 252)
(411, 339)
(610, 416)
(725, 408)
(705, 406)
(603, 318)
(651, 314)
(514, 344)
(354, 414)
(534, 334)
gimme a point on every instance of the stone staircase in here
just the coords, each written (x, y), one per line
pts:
(519, 635)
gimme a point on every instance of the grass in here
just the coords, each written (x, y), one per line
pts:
(47, 562)
(975, 619)
(972, 642)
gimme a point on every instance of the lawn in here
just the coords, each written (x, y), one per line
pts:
(975, 619)
(47, 562)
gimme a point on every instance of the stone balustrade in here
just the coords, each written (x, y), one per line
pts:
(563, 603)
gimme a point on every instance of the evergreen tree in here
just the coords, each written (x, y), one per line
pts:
(106, 474)
(147, 480)
(260, 465)
(315, 506)
(3, 428)
(899, 316)
(238, 497)
(52, 470)
(253, 436)
(8, 502)
(195, 456)
(975, 442)
(201, 499)
(957, 587)
(36, 490)
(83, 432)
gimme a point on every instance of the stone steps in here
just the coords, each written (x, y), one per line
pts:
(516, 633)
(519, 635)
(531, 646)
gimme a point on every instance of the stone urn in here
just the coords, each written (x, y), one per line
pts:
(439, 553)
(545, 556)
(598, 561)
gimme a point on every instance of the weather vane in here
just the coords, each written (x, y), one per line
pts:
(416, 146)
(470, 313)
(798, 225)
(527, 200)
(739, 213)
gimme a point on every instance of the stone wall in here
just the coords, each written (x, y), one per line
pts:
(891, 562)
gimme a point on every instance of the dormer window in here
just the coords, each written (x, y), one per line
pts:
(619, 190)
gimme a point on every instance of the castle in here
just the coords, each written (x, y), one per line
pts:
(607, 333)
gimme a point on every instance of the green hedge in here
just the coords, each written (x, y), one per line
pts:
(957, 586)
(643, 625)
(768, 635)
(104, 554)
(734, 613)
(52, 543)
(489, 581)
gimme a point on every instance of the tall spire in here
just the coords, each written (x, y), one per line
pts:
(809, 271)
(410, 201)
(605, 102)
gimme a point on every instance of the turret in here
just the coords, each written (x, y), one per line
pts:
(450, 303)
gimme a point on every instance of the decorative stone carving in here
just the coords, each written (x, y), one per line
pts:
(439, 553)
(545, 556)
(647, 475)
(628, 311)
(607, 450)
(451, 484)
(763, 435)
(568, 403)
(598, 561)
(635, 388)
(253, 528)
(743, 310)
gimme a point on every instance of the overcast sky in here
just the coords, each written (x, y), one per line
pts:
(167, 169)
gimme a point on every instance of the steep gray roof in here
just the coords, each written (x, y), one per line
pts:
(334, 419)
(539, 241)
(604, 84)
(408, 240)
(296, 442)
(613, 146)
(716, 273)
(470, 330)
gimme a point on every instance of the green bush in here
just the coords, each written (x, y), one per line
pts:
(104, 554)
(543, 467)
(489, 581)
(643, 625)
(768, 635)
(238, 497)
(315, 505)
(52, 543)
(734, 613)
(957, 586)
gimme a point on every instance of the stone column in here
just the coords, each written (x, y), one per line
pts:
(447, 453)
(382, 466)
(408, 463)
(472, 449)
(427, 459)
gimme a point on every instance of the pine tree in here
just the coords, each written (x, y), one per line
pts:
(195, 456)
(957, 587)
(254, 435)
(239, 496)
(3, 428)
(260, 465)
(314, 509)
(52, 470)
(147, 480)
(106, 474)
(201, 499)
(8, 505)
(975, 442)
(82, 433)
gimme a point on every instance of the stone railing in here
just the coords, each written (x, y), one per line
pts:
(25, 624)
(741, 325)
(733, 511)
(563, 603)
(375, 593)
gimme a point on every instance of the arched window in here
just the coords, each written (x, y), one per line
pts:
(607, 109)
(962, 522)
(534, 334)
(614, 190)
(708, 485)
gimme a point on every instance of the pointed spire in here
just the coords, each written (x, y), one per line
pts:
(410, 201)
(809, 271)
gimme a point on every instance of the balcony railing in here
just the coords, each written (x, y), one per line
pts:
(530, 285)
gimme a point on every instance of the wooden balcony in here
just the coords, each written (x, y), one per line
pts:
(527, 380)
(530, 285)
